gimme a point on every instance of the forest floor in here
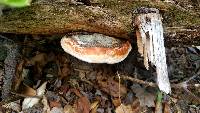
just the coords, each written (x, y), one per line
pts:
(41, 77)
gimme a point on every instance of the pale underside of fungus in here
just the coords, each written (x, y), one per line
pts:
(96, 48)
(150, 43)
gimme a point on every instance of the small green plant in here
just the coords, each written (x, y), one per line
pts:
(15, 3)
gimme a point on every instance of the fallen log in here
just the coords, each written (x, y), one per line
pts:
(112, 18)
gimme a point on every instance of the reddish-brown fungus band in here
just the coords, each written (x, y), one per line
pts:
(96, 48)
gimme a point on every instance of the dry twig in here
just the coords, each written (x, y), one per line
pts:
(151, 84)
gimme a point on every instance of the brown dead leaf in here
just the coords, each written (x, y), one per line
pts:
(116, 102)
(28, 91)
(94, 106)
(136, 106)
(63, 59)
(19, 68)
(40, 58)
(53, 99)
(82, 105)
(124, 109)
(54, 103)
(69, 109)
(39, 61)
(111, 87)
(167, 108)
(64, 66)
(65, 70)
(18, 79)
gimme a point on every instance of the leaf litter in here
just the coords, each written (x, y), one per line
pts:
(74, 86)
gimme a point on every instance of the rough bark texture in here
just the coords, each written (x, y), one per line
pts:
(109, 17)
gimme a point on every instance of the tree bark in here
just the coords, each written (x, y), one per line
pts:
(109, 17)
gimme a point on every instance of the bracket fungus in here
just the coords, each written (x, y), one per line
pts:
(96, 48)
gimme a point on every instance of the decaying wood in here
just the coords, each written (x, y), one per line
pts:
(150, 43)
(109, 17)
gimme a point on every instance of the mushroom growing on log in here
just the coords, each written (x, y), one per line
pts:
(96, 48)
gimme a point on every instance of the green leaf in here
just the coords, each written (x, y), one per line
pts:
(159, 96)
(15, 3)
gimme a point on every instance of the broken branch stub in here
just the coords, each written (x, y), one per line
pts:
(150, 43)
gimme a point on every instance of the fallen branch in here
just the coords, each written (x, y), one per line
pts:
(152, 84)
(135, 80)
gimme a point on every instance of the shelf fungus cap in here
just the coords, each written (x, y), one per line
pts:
(96, 48)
